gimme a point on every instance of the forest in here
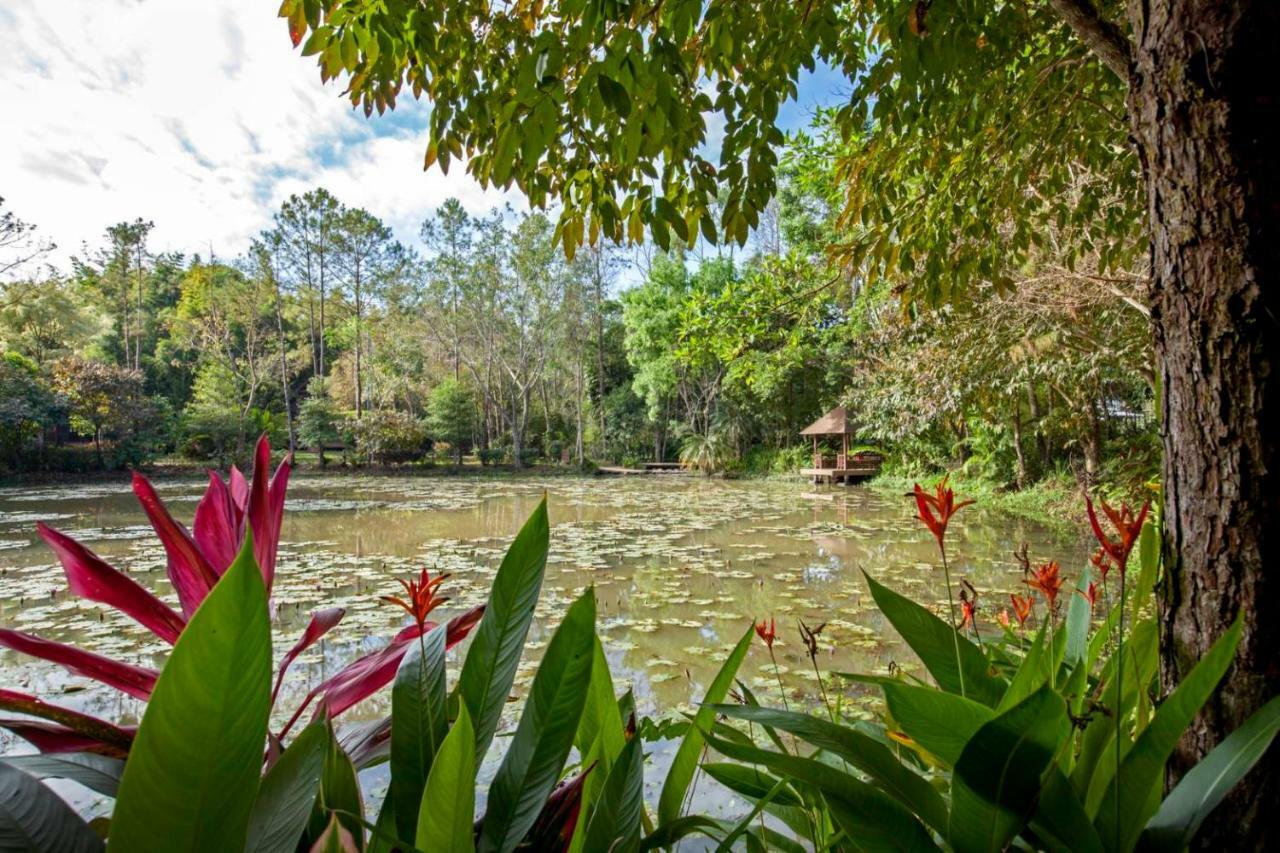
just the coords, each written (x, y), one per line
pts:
(485, 344)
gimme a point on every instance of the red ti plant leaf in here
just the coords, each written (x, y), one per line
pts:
(53, 738)
(217, 525)
(102, 736)
(322, 621)
(90, 577)
(137, 681)
(239, 489)
(189, 572)
(365, 676)
(266, 508)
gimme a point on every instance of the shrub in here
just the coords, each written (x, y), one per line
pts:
(388, 437)
(491, 456)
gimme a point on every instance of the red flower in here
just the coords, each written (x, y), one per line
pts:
(767, 632)
(1046, 579)
(936, 509)
(1090, 594)
(422, 598)
(1022, 605)
(1102, 562)
(968, 611)
(1127, 526)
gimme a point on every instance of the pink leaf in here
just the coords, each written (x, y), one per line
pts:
(189, 572)
(365, 676)
(98, 731)
(266, 508)
(322, 621)
(218, 526)
(90, 577)
(52, 738)
(239, 489)
(137, 681)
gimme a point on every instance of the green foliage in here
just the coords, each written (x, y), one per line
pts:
(194, 766)
(386, 437)
(452, 415)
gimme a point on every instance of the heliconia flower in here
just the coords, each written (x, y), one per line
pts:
(1022, 605)
(968, 611)
(1003, 617)
(767, 631)
(1102, 562)
(1091, 593)
(1127, 525)
(1048, 581)
(936, 509)
(420, 597)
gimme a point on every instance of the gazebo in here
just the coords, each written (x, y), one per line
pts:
(838, 468)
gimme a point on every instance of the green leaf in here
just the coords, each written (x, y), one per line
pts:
(288, 793)
(193, 771)
(446, 815)
(615, 823)
(1061, 818)
(544, 735)
(33, 817)
(600, 738)
(1079, 617)
(861, 751)
(872, 819)
(940, 722)
(340, 792)
(99, 773)
(490, 667)
(750, 782)
(998, 777)
(1124, 810)
(419, 723)
(685, 763)
(935, 642)
(1205, 785)
(1033, 672)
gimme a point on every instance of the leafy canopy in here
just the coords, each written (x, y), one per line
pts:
(969, 127)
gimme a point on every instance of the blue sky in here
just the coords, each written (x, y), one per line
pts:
(202, 118)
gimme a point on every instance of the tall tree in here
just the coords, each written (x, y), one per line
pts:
(368, 255)
(972, 121)
(307, 225)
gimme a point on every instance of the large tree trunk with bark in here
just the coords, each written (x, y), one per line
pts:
(1205, 111)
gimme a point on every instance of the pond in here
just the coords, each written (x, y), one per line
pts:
(681, 566)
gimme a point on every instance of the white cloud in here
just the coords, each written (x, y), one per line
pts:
(200, 117)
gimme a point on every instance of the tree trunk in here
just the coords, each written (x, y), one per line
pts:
(284, 371)
(1206, 122)
(1021, 471)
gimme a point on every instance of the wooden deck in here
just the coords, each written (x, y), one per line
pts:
(853, 472)
(649, 468)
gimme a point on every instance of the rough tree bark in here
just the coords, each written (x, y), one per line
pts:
(1204, 106)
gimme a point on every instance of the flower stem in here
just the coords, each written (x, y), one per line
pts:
(777, 674)
(1115, 780)
(951, 609)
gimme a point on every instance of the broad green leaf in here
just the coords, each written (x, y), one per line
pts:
(1204, 786)
(340, 792)
(600, 738)
(544, 735)
(666, 835)
(288, 793)
(1124, 810)
(193, 771)
(1034, 671)
(750, 782)
(99, 773)
(335, 838)
(872, 819)
(490, 667)
(1148, 565)
(998, 777)
(615, 822)
(940, 722)
(685, 763)
(1060, 817)
(861, 751)
(33, 817)
(447, 812)
(419, 723)
(935, 643)
(744, 823)
(1079, 617)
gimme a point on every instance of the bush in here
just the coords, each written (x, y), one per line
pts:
(491, 456)
(388, 437)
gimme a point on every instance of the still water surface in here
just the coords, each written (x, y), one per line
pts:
(681, 565)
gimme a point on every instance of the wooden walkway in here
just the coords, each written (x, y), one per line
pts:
(851, 473)
(649, 468)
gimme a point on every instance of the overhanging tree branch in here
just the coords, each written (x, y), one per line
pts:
(1106, 39)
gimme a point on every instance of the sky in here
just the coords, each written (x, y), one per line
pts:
(202, 118)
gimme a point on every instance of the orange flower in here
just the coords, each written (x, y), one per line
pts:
(767, 632)
(1047, 579)
(968, 611)
(421, 595)
(936, 509)
(1003, 617)
(1090, 594)
(1022, 605)
(1127, 526)
(1102, 562)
